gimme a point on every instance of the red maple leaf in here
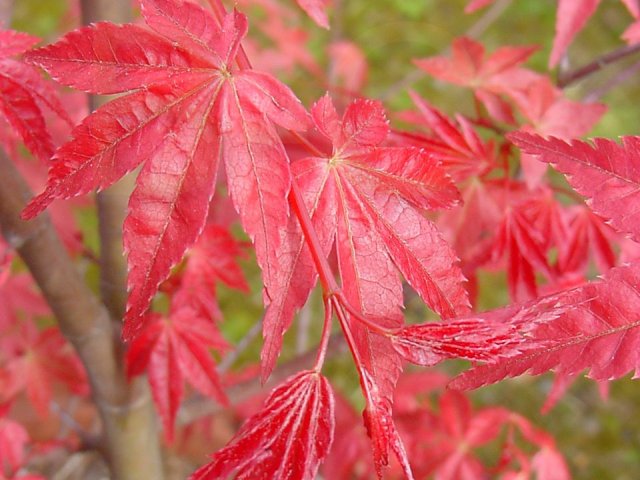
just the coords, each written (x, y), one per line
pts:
(585, 231)
(34, 360)
(367, 199)
(213, 258)
(172, 350)
(458, 147)
(599, 331)
(288, 438)
(187, 106)
(24, 95)
(524, 248)
(551, 113)
(486, 337)
(604, 172)
(571, 17)
(18, 297)
(488, 76)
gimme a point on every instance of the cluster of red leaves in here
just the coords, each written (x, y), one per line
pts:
(351, 206)
(443, 437)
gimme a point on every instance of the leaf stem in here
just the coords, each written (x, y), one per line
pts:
(326, 333)
(327, 279)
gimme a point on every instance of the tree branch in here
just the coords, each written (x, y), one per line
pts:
(143, 460)
(112, 202)
(598, 64)
(126, 411)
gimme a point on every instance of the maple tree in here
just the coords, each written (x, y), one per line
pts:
(329, 196)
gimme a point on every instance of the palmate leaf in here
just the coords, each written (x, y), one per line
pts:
(598, 327)
(187, 106)
(172, 350)
(606, 173)
(368, 200)
(488, 75)
(598, 332)
(288, 438)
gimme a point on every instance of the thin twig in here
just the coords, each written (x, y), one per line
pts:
(596, 65)
(622, 77)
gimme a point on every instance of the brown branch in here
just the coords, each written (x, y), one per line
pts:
(126, 411)
(596, 65)
(143, 459)
(111, 203)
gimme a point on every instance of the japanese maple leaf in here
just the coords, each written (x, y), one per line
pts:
(187, 105)
(487, 337)
(172, 350)
(213, 258)
(18, 297)
(551, 113)
(571, 17)
(599, 332)
(488, 76)
(288, 438)
(368, 200)
(35, 360)
(586, 232)
(14, 440)
(463, 431)
(458, 147)
(349, 67)
(524, 248)
(24, 95)
(605, 172)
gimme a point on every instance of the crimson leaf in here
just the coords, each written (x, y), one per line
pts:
(187, 106)
(288, 438)
(605, 172)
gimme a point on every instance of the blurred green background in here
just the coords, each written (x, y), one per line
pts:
(600, 439)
